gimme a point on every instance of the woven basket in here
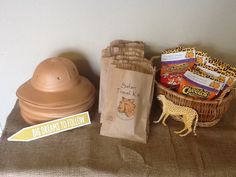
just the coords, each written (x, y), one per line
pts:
(209, 112)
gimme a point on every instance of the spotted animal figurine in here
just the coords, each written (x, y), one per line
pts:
(188, 115)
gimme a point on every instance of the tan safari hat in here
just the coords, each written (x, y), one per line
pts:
(55, 90)
(34, 116)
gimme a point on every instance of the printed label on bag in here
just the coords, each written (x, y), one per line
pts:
(126, 103)
(52, 127)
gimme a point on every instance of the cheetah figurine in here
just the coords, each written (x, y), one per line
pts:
(188, 115)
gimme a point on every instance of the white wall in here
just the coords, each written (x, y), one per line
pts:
(32, 30)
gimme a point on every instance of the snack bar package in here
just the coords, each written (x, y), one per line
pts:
(222, 75)
(201, 57)
(216, 67)
(224, 69)
(174, 63)
(198, 84)
(217, 63)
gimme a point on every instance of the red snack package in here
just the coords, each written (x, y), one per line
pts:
(174, 63)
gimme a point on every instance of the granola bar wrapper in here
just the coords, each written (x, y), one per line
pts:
(127, 105)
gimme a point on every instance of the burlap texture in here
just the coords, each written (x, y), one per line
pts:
(83, 152)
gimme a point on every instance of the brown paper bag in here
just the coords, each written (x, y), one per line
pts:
(129, 51)
(124, 47)
(124, 43)
(127, 104)
(118, 50)
(108, 62)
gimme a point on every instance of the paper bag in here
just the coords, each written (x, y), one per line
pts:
(127, 104)
(109, 63)
(118, 50)
(124, 43)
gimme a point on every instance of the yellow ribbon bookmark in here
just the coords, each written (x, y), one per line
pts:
(50, 128)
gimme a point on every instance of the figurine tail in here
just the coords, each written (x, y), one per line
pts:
(195, 124)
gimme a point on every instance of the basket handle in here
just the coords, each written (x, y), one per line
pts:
(233, 88)
(227, 90)
(157, 57)
(153, 59)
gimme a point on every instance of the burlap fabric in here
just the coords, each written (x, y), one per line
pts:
(83, 152)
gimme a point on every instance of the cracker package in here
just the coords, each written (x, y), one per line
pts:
(174, 63)
(198, 84)
(128, 103)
